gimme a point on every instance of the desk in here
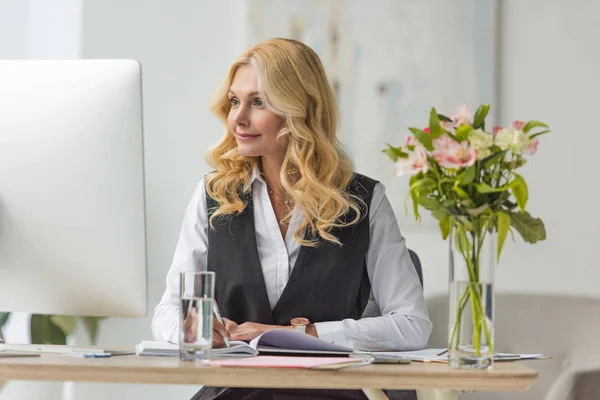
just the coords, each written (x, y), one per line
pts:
(507, 376)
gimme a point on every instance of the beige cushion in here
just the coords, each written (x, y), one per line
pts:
(566, 328)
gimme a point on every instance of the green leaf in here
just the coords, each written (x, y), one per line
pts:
(485, 188)
(539, 133)
(439, 214)
(66, 323)
(467, 175)
(463, 243)
(435, 129)
(480, 114)
(444, 118)
(533, 124)
(503, 228)
(91, 325)
(4, 316)
(423, 137)
(489, 161)
(422, 185)
(43, 331)
(394, 153)
(462, 132)
(531, 229)
(413, 180)
(519, 190)
(445, 227)
(460, 191)
(429, 203)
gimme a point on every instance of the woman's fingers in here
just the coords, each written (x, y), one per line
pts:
(248, 331)
(230, 326)
(190, 326)
(219, 331)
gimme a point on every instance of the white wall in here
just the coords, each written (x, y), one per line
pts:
(14, 26)
(550, 60)
(548, 70)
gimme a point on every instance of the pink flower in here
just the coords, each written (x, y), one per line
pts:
(462, 117)
(443, 142)
(533, 146)
(518, 125)
(415, 163)
(450, 154)
(426, 129)
(411, 141)
(447, 126)
(495, 130)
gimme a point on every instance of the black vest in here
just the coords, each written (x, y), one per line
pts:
(327, 283)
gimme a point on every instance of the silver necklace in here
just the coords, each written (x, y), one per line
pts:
(286, 204)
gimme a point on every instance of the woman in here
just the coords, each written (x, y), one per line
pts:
(289, 228)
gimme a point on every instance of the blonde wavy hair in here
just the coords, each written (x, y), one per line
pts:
(316, 170)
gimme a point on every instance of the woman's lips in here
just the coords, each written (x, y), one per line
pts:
(246, 136)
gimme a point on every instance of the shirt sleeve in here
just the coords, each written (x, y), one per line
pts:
(403, 321)
(190, 255)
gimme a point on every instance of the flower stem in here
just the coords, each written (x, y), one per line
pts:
(456, 326)
(470, 246)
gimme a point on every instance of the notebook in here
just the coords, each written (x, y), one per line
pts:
(276, 341)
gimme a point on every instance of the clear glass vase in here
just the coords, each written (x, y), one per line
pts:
(473, 242)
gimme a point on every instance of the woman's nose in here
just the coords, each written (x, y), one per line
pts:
(242, 117)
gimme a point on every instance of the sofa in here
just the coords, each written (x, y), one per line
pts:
(565, 328)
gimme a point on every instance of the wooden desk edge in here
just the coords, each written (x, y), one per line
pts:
(353, 378)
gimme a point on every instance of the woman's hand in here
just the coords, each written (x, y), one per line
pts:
(250, 330)
(222, 329)
(190, 327)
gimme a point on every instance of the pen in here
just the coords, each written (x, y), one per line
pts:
(443, 352)
(89, 355)
(218, 315)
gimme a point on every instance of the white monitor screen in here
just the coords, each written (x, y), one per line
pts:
(72, 215)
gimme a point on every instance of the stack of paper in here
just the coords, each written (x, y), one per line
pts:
(440, 355)
(150, 348)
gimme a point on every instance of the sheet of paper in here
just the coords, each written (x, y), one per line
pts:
(292, 340)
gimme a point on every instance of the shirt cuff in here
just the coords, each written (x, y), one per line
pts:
(332, 331)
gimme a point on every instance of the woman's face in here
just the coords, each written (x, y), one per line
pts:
(254, 126)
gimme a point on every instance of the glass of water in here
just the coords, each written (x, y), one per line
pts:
(197, 290)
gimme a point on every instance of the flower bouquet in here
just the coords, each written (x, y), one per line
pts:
(466, 177)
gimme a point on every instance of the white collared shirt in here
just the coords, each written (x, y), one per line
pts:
(395, 318)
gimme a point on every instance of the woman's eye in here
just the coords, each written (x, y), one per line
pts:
(233, 101)
(258, 102)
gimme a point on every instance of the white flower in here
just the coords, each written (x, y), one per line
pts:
(513, 140)
(481, 141)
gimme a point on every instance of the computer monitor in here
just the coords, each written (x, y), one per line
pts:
(72, 214)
